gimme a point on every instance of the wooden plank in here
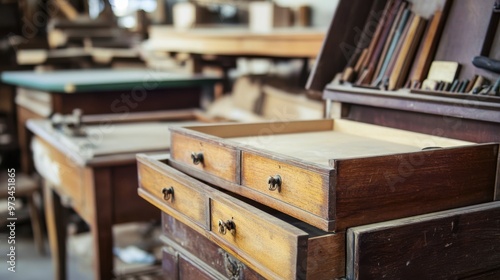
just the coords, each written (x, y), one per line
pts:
(405, 57)
(281, 126)
(326, 257)
(459, 243)
(390, 187)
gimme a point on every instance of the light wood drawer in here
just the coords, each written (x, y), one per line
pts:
(296, 185)
(171, 192)
(272, 244)
(202, 154)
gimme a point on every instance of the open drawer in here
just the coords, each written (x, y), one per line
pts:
(274, 245)
(334, 174)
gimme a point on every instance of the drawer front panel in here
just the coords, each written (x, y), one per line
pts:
(278, 250)
(176, 197)
(217, 160)
(302, 188)
(204, 249)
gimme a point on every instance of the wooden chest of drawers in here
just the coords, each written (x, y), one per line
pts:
(274, 245)
(211, 234)
(335, 174)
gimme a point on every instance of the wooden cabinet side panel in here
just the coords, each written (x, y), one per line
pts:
(390, 187)
(459, 244)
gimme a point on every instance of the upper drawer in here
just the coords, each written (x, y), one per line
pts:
(173, 194)
(271, 243)
(203, 154)
(335, 174)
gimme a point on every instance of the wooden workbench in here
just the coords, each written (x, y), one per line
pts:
(41, 94)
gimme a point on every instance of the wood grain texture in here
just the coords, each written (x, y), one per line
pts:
(186, 200)
(326, 257)
(460, 244)
(220, 161)
(280, 251)
(24, 137)
(345, 40)
(255, 171)
(395, 186)
(428, 46)
(280, 126)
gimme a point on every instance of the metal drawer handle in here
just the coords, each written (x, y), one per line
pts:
(274, 183)
(168, 193)
(197, 158)
(229, 225)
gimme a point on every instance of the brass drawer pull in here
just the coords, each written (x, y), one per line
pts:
(197, 158)
(274, 183)
(229, 225)
(168, 193)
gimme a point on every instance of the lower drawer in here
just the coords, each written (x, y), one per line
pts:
(272, 244)
(204, 255)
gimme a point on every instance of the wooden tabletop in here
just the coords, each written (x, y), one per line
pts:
(240, 41)
(74, 81)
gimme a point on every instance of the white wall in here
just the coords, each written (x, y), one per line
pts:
(322, 10)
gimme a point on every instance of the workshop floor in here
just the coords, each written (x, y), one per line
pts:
(31, 265)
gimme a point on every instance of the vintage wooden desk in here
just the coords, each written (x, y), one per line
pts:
(41, 94)
(96, 176)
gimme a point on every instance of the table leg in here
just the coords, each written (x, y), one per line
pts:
(56, 230)
(102, 225)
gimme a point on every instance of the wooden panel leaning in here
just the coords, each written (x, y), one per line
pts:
(335, 174)
(461, 243)
(270, 243)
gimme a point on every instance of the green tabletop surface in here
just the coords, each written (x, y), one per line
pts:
(89, 80)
